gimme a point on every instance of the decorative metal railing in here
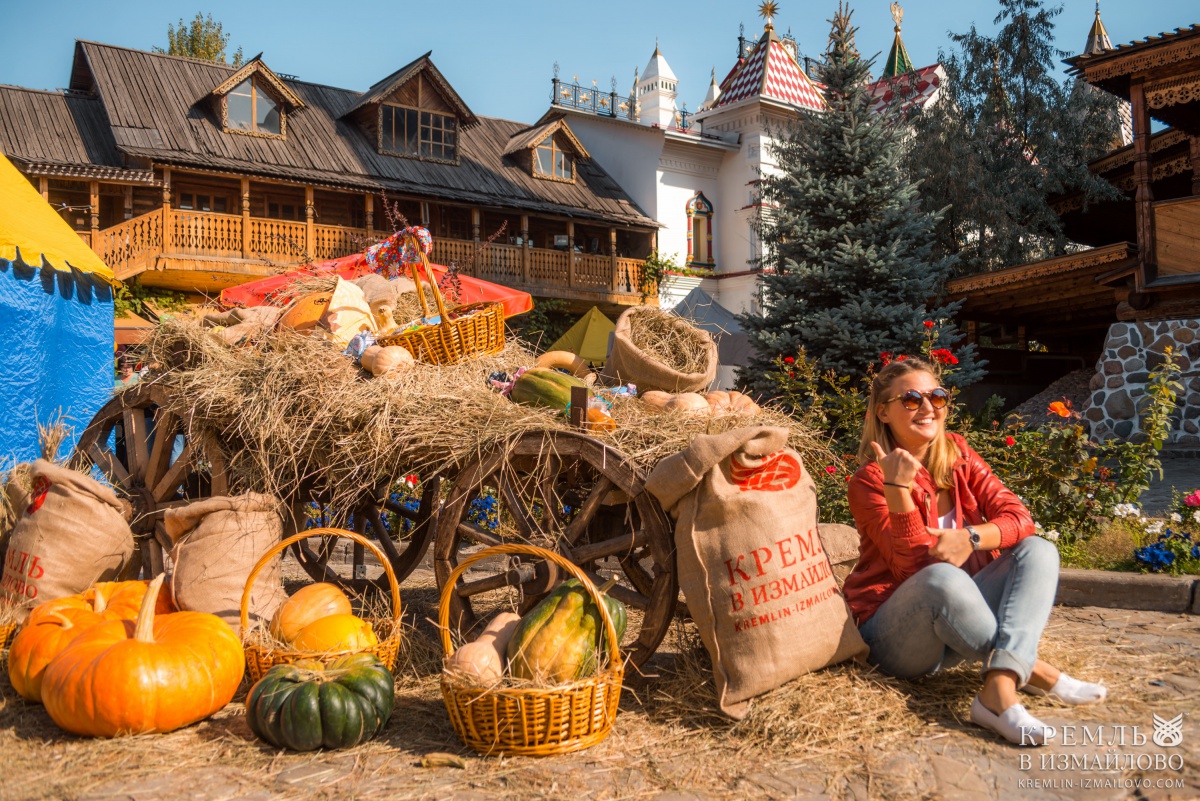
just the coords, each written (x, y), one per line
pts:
(593, 99)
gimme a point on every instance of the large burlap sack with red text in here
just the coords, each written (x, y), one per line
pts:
(750, 561)
(71, 532)
(217, 542)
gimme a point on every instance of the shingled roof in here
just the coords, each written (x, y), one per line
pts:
(150, 106)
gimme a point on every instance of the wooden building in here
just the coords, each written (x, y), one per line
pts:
(195, 176)
(1136, 288)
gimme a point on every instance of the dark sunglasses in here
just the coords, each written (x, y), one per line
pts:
(911, 400)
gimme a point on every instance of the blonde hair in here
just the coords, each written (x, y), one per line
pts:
(942, 453)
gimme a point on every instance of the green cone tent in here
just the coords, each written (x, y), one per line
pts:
(588, 338)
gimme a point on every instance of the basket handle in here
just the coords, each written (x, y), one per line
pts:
(437, 291)
(319, 532)
(610, 631)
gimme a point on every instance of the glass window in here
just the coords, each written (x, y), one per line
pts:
(249, 108)
(553, 161)
(426, 134)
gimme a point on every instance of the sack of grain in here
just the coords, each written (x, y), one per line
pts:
(71, 531)
(656, 350)
(751, 564)
(217, 542)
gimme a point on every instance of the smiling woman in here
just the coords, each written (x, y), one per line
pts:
(949, 567)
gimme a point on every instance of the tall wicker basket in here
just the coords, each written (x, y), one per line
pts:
(476, 330)
(260, 658)
(528, 721)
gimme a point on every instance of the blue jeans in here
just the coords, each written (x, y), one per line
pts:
(941, 615)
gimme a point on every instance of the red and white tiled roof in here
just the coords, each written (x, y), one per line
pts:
(912, 90)
(770, 72)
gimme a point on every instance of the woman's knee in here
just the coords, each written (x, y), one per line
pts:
(946, 586)
(1038, 553)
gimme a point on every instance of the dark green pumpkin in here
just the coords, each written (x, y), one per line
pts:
(307, 705)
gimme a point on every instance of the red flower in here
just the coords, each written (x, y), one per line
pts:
(1010, 441)
(830, 469)
(929, 323)
(943, 356)
(789, 359)
(886, 357)
(901, 357)
(791, 374)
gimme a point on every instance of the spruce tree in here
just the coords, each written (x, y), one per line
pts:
(1006, 120)
(848, 264)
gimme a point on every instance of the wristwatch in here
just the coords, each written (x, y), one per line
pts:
(974, 538)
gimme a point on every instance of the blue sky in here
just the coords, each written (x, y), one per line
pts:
(500, 55)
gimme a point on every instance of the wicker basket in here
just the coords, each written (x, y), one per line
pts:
(530, 721)
(7, 632)
(260, 658)
(477, 330)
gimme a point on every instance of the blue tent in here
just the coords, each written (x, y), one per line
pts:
(56, 320)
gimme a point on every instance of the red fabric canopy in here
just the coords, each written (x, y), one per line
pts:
(274, 290)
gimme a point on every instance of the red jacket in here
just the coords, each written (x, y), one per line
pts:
(893, 547)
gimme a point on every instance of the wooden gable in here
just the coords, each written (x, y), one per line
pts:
(422, 93)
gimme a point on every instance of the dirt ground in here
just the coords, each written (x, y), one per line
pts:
(844, 733)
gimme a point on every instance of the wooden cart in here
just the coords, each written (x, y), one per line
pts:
(561, 490)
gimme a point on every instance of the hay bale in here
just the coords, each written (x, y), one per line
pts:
(656, 350)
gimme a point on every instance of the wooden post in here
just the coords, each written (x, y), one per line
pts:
(246, 218)
(972, 332)
(612, 251)
(475, 224)
(370, 206)
(425, 213)
(127, 202)
(1143, 199)
(94, 200)
(310, 235)
(579, 404)
(168, 241)
(525, 251)
(1022, 339)
(1195, 155)
(570, 253)
(44, 187)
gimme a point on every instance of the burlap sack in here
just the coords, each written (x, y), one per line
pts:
(217, 542)
(757, 581)
(841, 544)
(71, 532)
(629, 364)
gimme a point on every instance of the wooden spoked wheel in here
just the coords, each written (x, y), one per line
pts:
(145, 452)
(403, 534)
(571, 494)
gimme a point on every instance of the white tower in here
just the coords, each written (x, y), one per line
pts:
(714, 93)
(656, 92)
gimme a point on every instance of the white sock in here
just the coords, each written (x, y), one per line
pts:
(1014, 724)
(1072, 691)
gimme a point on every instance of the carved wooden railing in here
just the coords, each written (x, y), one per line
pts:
(1177, 236)
(500, 263)
(550, 267)
(629, 277)
(123, 245)
(205, 234)
(335, 241)
(277, 239)
(593, 272)
(456, 251)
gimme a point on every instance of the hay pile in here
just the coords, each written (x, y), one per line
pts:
(657, 334)
(297, 419)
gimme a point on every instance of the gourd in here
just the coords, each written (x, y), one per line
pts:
(483, 659)
(656, 397)
(599, 420)
(39, 642)
(540, 386)
(306, 705)
(114, 600)
(383, 361)
(556, 641)
(164, 672)
(341, 632)
(310, 603)
(731, 402)
(688, 403)
(563, 359)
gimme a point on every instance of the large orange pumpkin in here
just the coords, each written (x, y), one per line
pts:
(310, 603)
(155, 675)
(39, 642)
(115, 600)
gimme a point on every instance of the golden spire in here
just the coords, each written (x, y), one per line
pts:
(768, 9)
(897, 15)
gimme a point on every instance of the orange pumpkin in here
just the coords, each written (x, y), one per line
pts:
(336, 633)
(115, 600)
(39, 642)
(155, 675)
(656, 397)
(310, 603)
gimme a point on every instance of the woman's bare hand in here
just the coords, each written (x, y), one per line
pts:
(951, 545)
(899, 466)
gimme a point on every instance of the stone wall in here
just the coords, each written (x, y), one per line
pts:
(1130, 352)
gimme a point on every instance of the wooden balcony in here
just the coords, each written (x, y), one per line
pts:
(1177, 237)
(206, 252)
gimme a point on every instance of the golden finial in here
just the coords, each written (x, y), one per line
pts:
(897, 15)
(768, 9)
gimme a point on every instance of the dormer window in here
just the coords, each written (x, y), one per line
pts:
(248, 108)
(551, 161)
(418, 133)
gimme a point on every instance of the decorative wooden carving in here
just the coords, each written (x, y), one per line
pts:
(1162, 56)
(1173, 92)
